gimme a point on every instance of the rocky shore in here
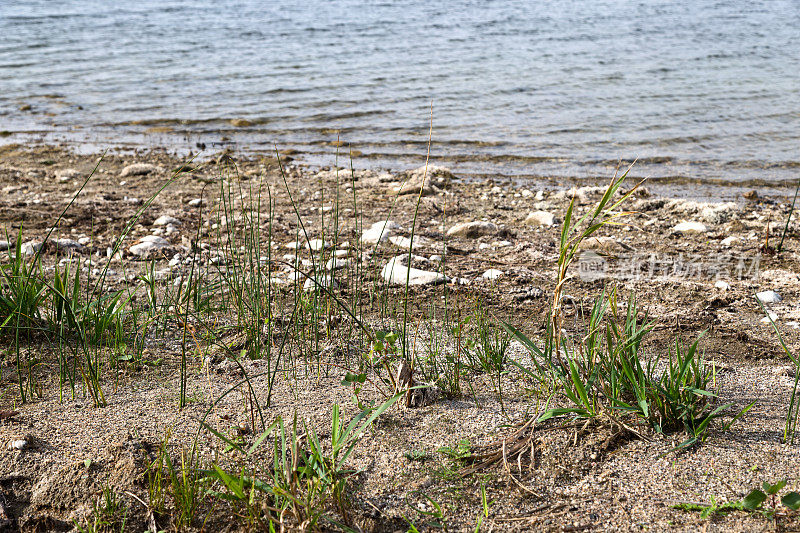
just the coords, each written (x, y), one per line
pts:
(697, 268)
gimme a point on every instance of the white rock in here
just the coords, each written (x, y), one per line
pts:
(18, 444)
(728, 241)
(501, 244)
(484, 246)
(83, 241)
(336, 263)
(68, 245)
(766, 319)
(435, 258)
(540, 218)
(608, 245)
(148, 245)
(138, 169)
(195, 202)
(379, 232)
(315, 245)
(492, 274)
(690, 227)
(396, 273)
(4, 245)
(294, 245)
(472, 229)
(341, 253)
(30, 248)
(724, 285)
(166, 220)
(405, 242)
(323, 281)
(768, 297)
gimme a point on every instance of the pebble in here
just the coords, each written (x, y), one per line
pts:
(396, 273)
(4, 245)
(30, 248)
(138, 169)
(341, 253)
(196, 202)
(324, 281)
(336, 263)
(728, 241)
(149, 244)
(773, 317)
(316, 245)
(529, 294)
(768, 297)
(405, 242)
(540, 218)
(379, 232)
(492, 274)
(472, 229)
(166, 220)
(18, 444)
(68, 245)
(724, 285)
(690, 227)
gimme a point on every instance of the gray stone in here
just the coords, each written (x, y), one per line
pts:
(138, 169)
(379, 232)
(472, 229)
(166, 220)
(690, 227)
(540, 218)
(396, 273)
(768, 297)
(148, 245)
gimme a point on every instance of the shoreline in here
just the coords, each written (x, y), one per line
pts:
(689, 179)
(483, 242)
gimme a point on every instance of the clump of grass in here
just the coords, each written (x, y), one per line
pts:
(109, 514)
(602, 374)
(305, 487)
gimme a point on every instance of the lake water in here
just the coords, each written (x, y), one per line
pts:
(700, 90)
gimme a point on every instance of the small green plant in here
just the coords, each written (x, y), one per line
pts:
(22, 292)
(488, 350)
(432, 511)
(460, 451)
(185, 484)
(763, 501)
(306, 479)
(109, 514)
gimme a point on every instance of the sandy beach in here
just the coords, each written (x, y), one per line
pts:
(324, 242)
